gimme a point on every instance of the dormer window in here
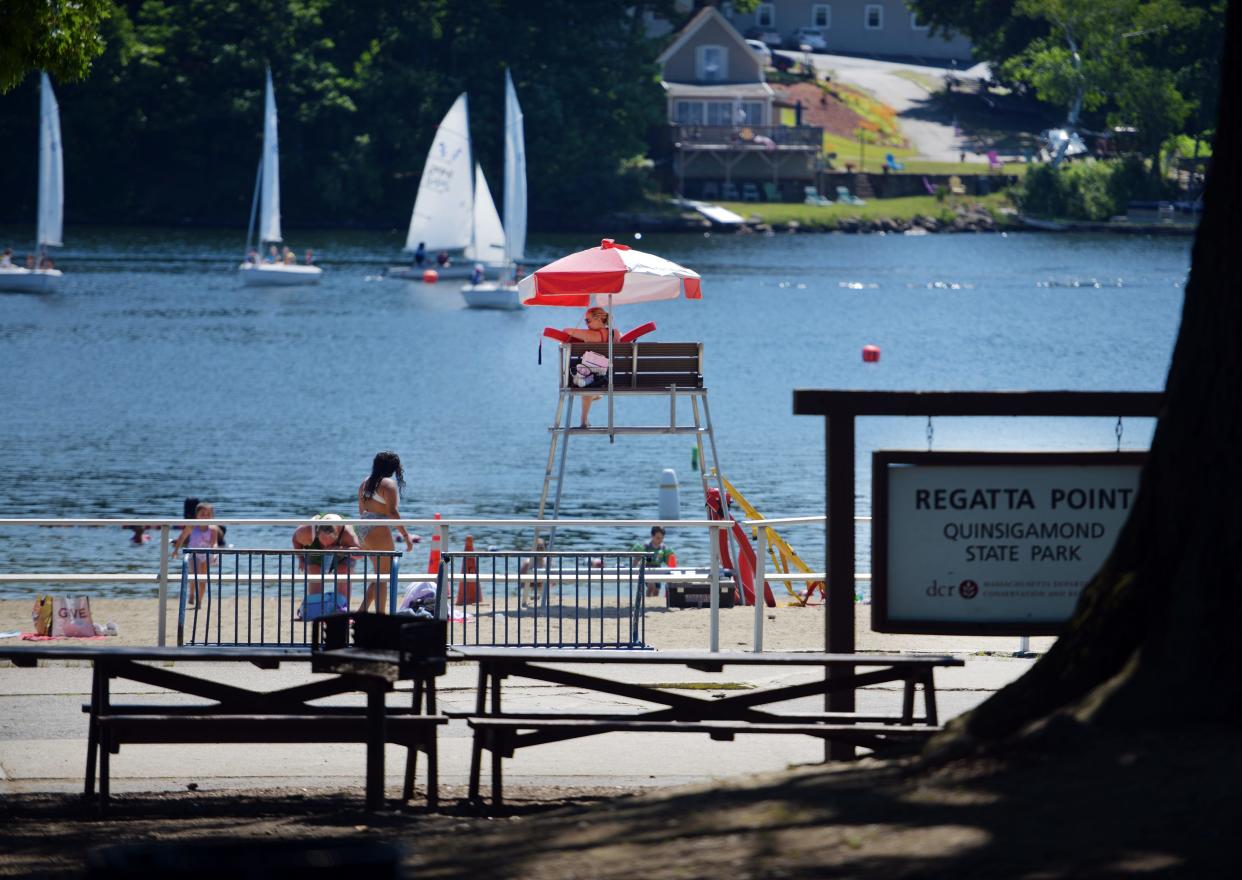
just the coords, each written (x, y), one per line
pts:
(711, 64)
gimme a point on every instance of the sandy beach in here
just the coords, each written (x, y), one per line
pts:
(785, 628)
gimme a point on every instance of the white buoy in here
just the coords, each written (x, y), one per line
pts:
(670, 496)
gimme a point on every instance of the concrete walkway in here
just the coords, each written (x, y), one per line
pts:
(43, 734)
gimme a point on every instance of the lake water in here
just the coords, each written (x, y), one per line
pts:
(153, 375)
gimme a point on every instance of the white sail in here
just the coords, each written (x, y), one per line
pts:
(269, 185)
(488, 244)
(51, 170)
(443, 206)
(515, 176)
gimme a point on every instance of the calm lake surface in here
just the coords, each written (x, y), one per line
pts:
(153, 375)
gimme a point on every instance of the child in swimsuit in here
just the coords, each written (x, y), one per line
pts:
(198, 538)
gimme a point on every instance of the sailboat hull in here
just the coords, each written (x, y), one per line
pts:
(279, 275)
(20, 280)
(492, 295)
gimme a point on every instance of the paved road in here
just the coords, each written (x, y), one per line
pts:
(930, 131)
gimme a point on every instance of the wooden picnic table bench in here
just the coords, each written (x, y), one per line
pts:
(237, 714)
(502, 733)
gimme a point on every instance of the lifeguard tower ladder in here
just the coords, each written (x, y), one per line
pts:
(638, 369)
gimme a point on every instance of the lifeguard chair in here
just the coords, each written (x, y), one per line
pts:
(672, 370)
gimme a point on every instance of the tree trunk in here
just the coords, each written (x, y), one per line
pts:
(1152, 639)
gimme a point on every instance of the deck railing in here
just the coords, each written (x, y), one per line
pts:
(758, 137)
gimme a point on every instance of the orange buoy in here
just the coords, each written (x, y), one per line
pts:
(468, 588)
(871, 354)
(431, 276)
(433, 561)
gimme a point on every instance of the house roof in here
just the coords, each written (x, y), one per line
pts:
(687, 33)
(757, 91)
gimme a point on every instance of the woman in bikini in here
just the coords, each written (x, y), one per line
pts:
(378, 498)
(597, 330)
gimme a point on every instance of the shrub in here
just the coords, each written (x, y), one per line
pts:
(1088, 190)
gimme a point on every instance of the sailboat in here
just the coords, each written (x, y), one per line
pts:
(503, 294)
(443, 215)
(51, 202)
(267, 199)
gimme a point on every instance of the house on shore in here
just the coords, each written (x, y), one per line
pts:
(724, 119)
(855, 27)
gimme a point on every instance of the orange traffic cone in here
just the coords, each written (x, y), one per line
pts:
(433, 561)
(468, 589)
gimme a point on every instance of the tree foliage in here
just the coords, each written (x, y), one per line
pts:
(168, 126)
(1148, 64)
(61, 38)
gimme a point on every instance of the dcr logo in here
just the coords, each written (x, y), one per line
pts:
(939, 589)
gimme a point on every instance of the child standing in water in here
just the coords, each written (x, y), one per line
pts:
(198, 538)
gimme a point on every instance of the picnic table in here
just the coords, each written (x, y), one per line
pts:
(237, 714)
(502, 733)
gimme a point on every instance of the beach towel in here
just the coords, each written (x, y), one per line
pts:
(36, 637)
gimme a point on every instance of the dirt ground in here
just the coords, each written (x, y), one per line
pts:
(1074, 803)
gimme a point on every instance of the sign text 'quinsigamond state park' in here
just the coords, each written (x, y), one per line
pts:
(992, 542)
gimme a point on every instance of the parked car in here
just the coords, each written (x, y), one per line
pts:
(808, 36)
(782, 62)
(767, 36)
(762, 52)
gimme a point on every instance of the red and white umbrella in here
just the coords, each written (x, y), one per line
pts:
(608, 275)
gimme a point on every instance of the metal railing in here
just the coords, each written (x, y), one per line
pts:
(549, 599)
(271, 597)
(439, 528)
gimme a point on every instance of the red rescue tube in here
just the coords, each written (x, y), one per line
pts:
(640, 330)
(558, 335)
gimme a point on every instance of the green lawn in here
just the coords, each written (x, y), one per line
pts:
(875, 209)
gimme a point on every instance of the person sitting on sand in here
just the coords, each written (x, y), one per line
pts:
(6, 259)
(597, 329)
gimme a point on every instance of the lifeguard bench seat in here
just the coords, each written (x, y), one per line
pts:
(639, 366)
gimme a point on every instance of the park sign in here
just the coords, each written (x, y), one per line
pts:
(992, 543)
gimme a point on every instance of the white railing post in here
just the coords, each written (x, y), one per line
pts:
(162, 629)
(761, 574)
(713, 587)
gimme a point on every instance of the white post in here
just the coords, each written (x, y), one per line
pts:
(713, 587)
(162, 629)
(1024, 645)
(761, 552)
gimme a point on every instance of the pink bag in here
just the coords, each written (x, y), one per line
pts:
(597, 363)
(71, 617)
